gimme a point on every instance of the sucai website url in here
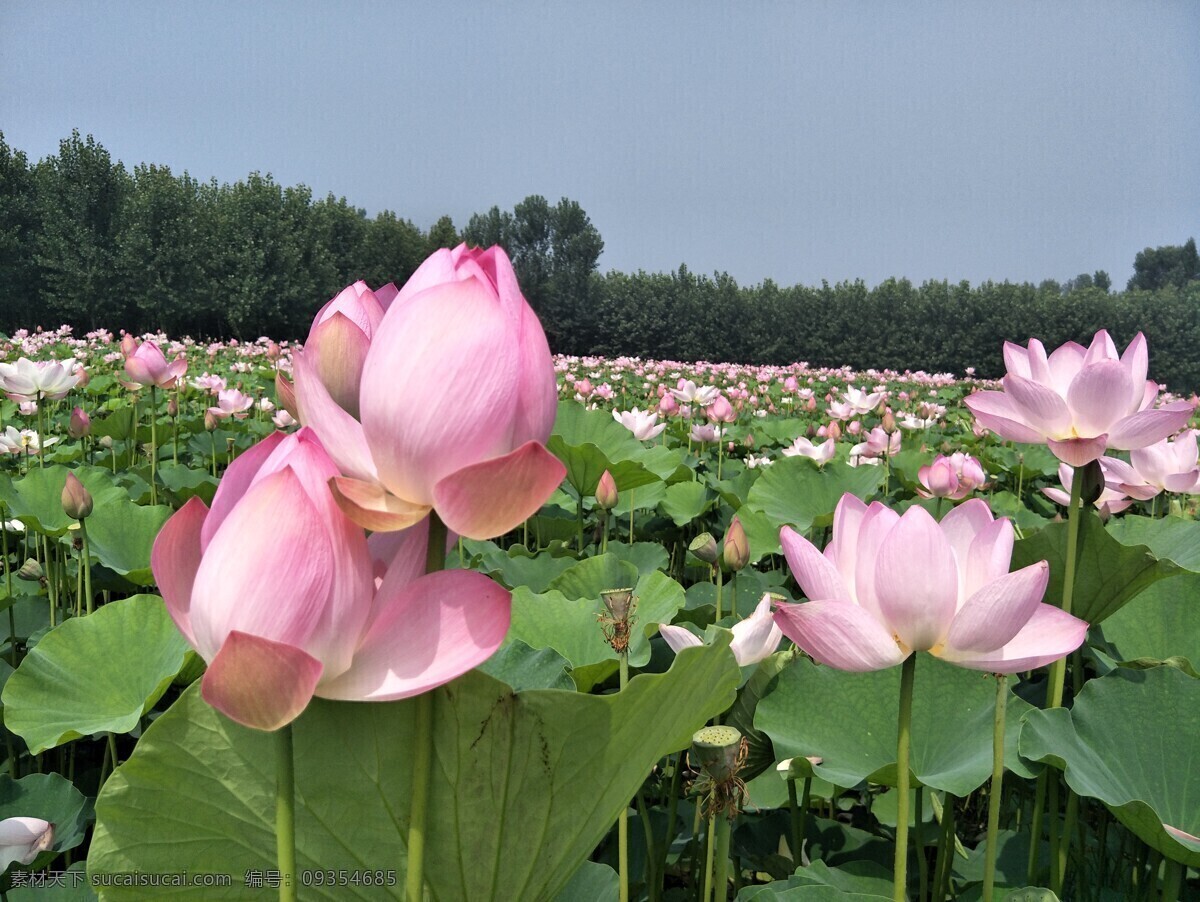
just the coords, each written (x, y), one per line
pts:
(179, 878)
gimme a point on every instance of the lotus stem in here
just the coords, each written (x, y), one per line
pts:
(941, 883)
(1035, 828)
(993, 827)
(435, 560)
(623, 817)
(720, 585)
(1172, 880)
(285, 813)
(708, 858)
(672, 808)
(153, 443)
(85, 565)
(12, 621)
(723, 827)
(919, 837)
(908, 671)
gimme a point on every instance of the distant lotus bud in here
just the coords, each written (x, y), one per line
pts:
(129, 344)
(833, 431)
(1093, 482)
(749, 441)
(106, 442)
(76, 500)
(668, 406)
(84, 378)
(172, 408)
(31, 570)
(889, 422)
(854, 427)
(584, 387)
(210, 422)
(80, 423)
(286, 395)
(720, 411)
(606, 492)
(704, 546)
(715, 750)
(273, 351)
(810, 404)
(737, 549)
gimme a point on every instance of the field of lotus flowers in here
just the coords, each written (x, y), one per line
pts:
(417, 610)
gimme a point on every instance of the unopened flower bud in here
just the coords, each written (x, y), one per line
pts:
(833, 431)
(80, 423)
(76, 500)
(172, 408)
(736, 552)
(889, 422)
(106, 442)
(1093, 482)
(129, 344)
(31, 570)
(210, 422)
(749, 441)
(273, 351)
(84, 378)
(606, 492)
(704, 546)
(715, 750)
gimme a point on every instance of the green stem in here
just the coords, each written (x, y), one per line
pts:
(623, 817)
(631, 516)
(1035, 828)
(285, 813)
(435, 560)
(708, 857)
(945, 850)
(908, 671)
(579, 522)
(720, 585)
(919, 838)
(1058, 669)
(85, 564)
(721, 868)
(651, 850)
(12, 621)
(937, 510)
(993, 827)
(41, 430)
(604, 532)
(153, 443)
(672, 808)
(794, 811)
(1172, 880)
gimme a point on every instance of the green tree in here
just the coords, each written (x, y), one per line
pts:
(1158, 267)
(442, 235)
(19, 292)
(391, 250)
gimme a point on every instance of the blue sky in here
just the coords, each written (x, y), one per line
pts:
(796, 141)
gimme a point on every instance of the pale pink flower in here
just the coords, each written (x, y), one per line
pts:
(22, 839)
(754, 638)
(953, 477)
(231, 403)
(1169, 466)
(29, 380)
(640, 423)
(1111, 501)
(802, 447)
(147, 366)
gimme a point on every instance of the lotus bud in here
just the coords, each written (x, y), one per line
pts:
(749, 441)
(31, 570)
(129, 344)
(606, 492)
(737, 548)
(210, 422)
(854, 427)
(84, 378)
(106, 442)
(172, 408)
(715, 750)
(704, 546)
(1093, 482)
(80, 423)
(889, 422)
(273, 352)
(810, 405)
(76, 500)
(833, 431)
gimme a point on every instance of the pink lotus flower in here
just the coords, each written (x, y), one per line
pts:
(457, 397)
(209, 383)
(80, 424)
(339, 339)
(642, 425)
(29, 380)
(802, 447)
(1169, 466)
(721, 411)
(878, 444)
(861, 402)
(705, 433)
(688, 393)
(22, 839)
(1079, 401)
(954, 477)
(277, 591)
(754, 638)
(1111, 501)
(147, 366)
(231, 403)
(889, 585)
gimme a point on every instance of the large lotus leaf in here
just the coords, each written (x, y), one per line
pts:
(1108, 573)
(593, 882)
(591, 576)
(94, 674)
(796, 491)
(522, 667)
(1132, 740)
(781, 431)
(517, 566)
(523, 786)
(644, 497)
(36, 498)
(1168, 538)
(121, 536)
(685, 502)
(1161, 624)
(575, 425)
(570, 625)
(849, 720)
(187, 482)
(52, 798)
(646, 556)
(762, 533)
(785, 891)
(588, 442)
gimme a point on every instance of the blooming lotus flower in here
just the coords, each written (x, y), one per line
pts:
(689, 393)
(705, 433)
(954, 477)
(754, 638)
(803, 447)
(231, 403)
(276, 589)
(22, 839)
(888, 585)
(283, 420)
(1169, 466)
(1111, 500)
(338, 341)
(29, 380)
(209, 383)
(147, 366)
(861, 402)
(457, 397)
(640, 423)
(720, 411)
(1079, 401)
(878, 443)
(25, 441)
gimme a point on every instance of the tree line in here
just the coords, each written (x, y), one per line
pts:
(87, 242)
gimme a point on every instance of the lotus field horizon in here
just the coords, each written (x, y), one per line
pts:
(418, 610)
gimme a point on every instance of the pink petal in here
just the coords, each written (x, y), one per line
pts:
(843, 544)
(175, 558)
(488, 499)
(258, 683)
(373, 507)
(1041, 407)
(677, 637)
(267, 570)
(429, 632)
(340, 433)
(756, 637)
(1101, 349)
(1136, 361)
(998, 412)
(916, 580)
(1016, 359)
(1149, 426)
(440, 386)
(236, 481)
(1097, 397)
(338, 347)
(995, 613)
(138, 372)
(1058, 496)
(840, 635)
(963, 523)
(988, 558)
(399, 558)
(1048, 635)
(437, 269)
(817, 576)
(877, 522)
(1078, 451)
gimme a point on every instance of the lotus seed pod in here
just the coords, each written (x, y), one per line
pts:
(715, 750)
(704, 546)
